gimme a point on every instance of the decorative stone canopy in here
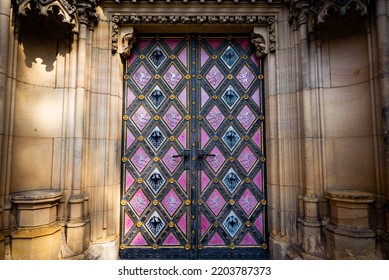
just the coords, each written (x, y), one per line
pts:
(316, 12)
(69, 12)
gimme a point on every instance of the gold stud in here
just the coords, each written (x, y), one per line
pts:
(187, 247)
(200, 202)
(244, 56)
(264, 246)
(187, 117)
(187, 202)
(139, 224)
(172, 96)
(214, 97)
(171, 180)
(142, 56)
(262, 159)
(248, 224)
(229, 37)
(126, 77)
(155, 202)
(124, 159)
(245, 96)
(125, 117)
(141, 97)
(230, 117)
(260, 76)
(263, 201)
(199, 76)
(171, 224)
(156, 159)
(216, 181)
(123, 202)
(140, 181)
(261, 117)
(157, 77)
(214, 56)
(200, 247)
(232, 246)
(187, 76)
(172, 138)
(122, 246)
(215, 138)
(156, 118)
(172, 56)
(216, 224)
(231, 159)
(230, 77)
(155, 247)
(246, 137)
(232, 202)
(141, 138)
(247, 180)
(199, 117)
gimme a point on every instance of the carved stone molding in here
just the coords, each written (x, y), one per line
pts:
(86, 11)
(127, 42)
(119, 20)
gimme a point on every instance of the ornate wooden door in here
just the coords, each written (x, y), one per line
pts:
(193, 156)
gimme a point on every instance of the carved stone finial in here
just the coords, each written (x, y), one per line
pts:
(128, 41)
(260, 44)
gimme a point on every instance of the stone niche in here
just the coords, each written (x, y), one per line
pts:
(37, 234)
(349, 235)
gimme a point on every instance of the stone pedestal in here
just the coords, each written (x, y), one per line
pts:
(348, 233)
(37, 234)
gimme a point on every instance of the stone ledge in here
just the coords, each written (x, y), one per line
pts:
(353, 196)
(36, 196)
(351, 232)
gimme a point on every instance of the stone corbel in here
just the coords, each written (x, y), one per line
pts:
(128, 41)
(258, 40)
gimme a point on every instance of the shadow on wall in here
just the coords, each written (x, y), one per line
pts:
(43, 39)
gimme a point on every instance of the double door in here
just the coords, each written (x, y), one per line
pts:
(193, 156)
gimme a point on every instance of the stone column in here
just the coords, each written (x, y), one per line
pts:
(310, 223)
(5, 8)
(383, 73)
(77, 238)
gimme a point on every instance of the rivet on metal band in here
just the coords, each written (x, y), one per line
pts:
(156, 118)
(126, 77)
(216, 181)
(262, 159)
(231, 159)
(214, 56)
(140, 181)
(261, 117)
(187, 117)
(187, 76)
(157, 77)
(264, 246)
(199, 76)
(247, 180)
(230, 76)
(139, 224)
(172, 56)
(172, 96)
(123, 202)
(200, 247)
(263, 201)
(172, 138)
(125, 117)
(141, 138)
(248, 224)
(155, 247)
(156, 159)
(216, 224)
(171, 180)
(232, 202)
(171, 224)
(122, 246)
(142, 56)
(155, 202)
(187, 247)
(124, 159)
(260, 76)
(200, 202)
(187, 202)
(215, 138)
(141, 97)
(232, 246)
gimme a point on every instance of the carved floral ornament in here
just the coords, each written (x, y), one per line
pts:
(314, 12)
(258, 40)
(70, 12)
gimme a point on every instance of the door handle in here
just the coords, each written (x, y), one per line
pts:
(186, 157)
(201, 155)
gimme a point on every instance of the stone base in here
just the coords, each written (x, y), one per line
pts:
(278, 248)
(106, 249)
(75, 237)
(2, 250)
(385, 247)
(350, 244)
(36, 244)
(311, 233)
